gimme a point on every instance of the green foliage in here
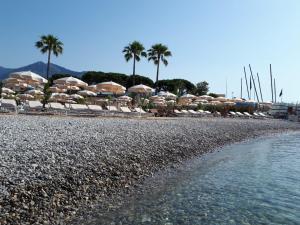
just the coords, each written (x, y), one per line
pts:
(50, 43)
(201, 88)
(134, 50)
(159, 52)
(176, 86)
(126, 81)
(1, 85)
(47, 94)
(213, 95)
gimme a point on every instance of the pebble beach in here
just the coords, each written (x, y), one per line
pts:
(53, 169)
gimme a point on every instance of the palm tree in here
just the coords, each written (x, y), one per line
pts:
(134, 50)
(49, 44)
(157, 53)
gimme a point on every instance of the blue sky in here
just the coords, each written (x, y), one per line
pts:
(210, 40)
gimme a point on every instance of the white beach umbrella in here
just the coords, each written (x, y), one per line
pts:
(25, 96)
(92, 88)
(167, 95)
(141, 88)
(7, 91)
(124, 98)
(206, 97)
(111, 87)
(28, 75)
(34, 92)
(221, 99)
(70, 81)
(86, 93)
(76, 96)
(187, 96)
(4, 94)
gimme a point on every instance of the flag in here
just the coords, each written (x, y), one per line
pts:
(280, 93)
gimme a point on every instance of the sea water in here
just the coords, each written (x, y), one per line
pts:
(255, 182)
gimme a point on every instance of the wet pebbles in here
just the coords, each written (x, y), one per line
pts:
(52, 168)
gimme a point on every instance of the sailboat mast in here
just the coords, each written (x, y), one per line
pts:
(271, 78)
(241, 87)
(261, 96)
(254, 83)
(246, 83)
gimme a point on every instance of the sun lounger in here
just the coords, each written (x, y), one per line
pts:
(240, 114)
(232, 114)
(125, 109)
(8, 105)
(247, 114)
(176, 111)
(184, 111)
(35, 105)
(78, 107)
(201, 111)
(112, 108)
(56, 106)
(262, 114)
(95, 108)
(193, 111)
(139, 110)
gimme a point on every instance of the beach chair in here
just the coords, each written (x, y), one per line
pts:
(185, 111)
(257, 116)
(95, 108)
(112, 108)
(34, 105)
(176, 111)
(193, 111)
(79, 107)
(56, 106)
(262, 114)
(125, 109)
(8, 105)
(240, 114)
(139, 110)
(247, 114)
(232, 114)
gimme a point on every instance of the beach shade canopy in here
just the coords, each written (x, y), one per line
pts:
(7, 91)
(111, 87)
(188, 96)
(60, 95)
(92, 88)
(221, 99)
(25, 96)
(28, 76)
(70, 81)
(215, 102)
(34, 92)
(86, 93)
(57, 90)
(12, 81)
(141, 88)
(124, 98)
(76, 96)
(167, 95)
(206, 97)
(238, 100)
(3, 94)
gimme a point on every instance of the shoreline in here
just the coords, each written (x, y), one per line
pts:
(90, 163)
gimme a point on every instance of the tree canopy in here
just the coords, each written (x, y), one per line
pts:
(93, 77)
(176, 86)
(201, 88)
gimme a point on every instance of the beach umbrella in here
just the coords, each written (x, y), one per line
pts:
(70, 81)
(57, 90)
(167, 95)
(215, 102)
(25, 96)
(4, 94)
(221, 99)
(187, 96)
(86, 93)
(92, 88)
(124, 98)
(7, 91)
(141, 88)
(206, 97)
(28, 76)
(34, 92)
(111, 87)
(12, 80)
(76, 96)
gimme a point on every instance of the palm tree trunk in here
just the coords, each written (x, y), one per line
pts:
(133, 74)
(157, 74)
(48, 65)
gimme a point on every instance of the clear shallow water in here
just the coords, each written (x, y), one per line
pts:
(256, 182)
